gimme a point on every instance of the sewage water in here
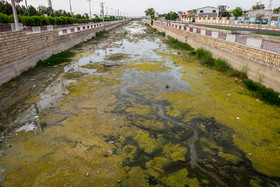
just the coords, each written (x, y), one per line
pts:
(130, 111)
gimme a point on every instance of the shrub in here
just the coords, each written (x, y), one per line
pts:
(11, 19)
(263, 93)
(44, 20)
(51, 20)
(36, 20)
(221, 65)
(69, 20)
(205, 56)
(63, 20)
(56, 59)
(59, 21)
(27, 21)
(4, 18)
(178, 45)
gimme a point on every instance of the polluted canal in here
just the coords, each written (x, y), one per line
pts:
(128, 110)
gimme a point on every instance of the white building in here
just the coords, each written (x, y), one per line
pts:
(207, 11)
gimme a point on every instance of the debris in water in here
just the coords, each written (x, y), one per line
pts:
(257, 100)
(250, 154)
(238, 118)
(229, 94)
(105, 156)
(167, 86)
(227, 99)
(37, 117)
(110, 152)
(119, 181)
(9, 145)
(87, 174)
(114, 119)
(111, 142)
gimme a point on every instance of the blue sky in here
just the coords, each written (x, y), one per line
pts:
(137, 7)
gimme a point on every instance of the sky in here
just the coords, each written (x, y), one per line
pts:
(137, 7)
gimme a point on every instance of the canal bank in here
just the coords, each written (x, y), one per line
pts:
(250, 54)
(128, 110)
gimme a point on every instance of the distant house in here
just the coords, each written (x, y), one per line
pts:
(207, 11)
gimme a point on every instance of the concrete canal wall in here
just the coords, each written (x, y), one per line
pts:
(20, 50)
(258, 55)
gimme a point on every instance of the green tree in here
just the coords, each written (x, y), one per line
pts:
(224, 14)
(42, 10)
(171, 16)
(150, 12)
(237, 12)
(276, 10)
(5, 8)
(32, 11)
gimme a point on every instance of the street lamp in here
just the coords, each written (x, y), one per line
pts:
(71, 9)
(89, 9)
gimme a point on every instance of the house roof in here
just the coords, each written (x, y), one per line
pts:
(204, 7)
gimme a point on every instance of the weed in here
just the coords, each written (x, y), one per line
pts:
(161, 33)
(263, 93)
(205, 57)
(221, 65)
(56, 59)
(178, 45)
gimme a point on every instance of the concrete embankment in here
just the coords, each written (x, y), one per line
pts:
(20, 51)
(256, 55)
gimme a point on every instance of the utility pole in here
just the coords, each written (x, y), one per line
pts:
(15, 15)
(27, 8)
(102, 10)
(106, 11)
(71, 9)
(89, 9)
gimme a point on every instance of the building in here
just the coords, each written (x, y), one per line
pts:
(207, 11)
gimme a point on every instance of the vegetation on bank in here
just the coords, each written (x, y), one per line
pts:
(65, 56)
(205, 57)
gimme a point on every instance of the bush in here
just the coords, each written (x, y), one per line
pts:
(69, 20)
(221, 65)
(56, 59)
(44, 20)
(59, 21)
(27, 21)
(63, 20)
(205, 57)
(178, 45)
(36, 20)
(4, 18)
(11, 19)
(263, 93)
(51, 20)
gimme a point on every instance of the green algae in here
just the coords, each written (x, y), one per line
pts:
(147, 143)
(175, 152)
(148, 66)
(181, 179)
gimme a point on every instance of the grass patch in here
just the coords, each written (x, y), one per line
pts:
(161, 33)
(263, 93)
(56, 59)
(178, 45)
(270, 34)
(221, 65)
(205, 57)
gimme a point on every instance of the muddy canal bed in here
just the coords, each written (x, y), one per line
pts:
(130, 111)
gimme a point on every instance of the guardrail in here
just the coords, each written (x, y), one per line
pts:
(263, 44)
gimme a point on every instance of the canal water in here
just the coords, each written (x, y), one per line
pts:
(130, 111)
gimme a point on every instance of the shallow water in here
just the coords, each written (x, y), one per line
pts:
(130, 111)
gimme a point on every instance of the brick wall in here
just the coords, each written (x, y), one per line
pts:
(20, 51)
(261, 65)
(5, 27)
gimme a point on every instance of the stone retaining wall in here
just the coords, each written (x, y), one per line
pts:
(20, 51)
(242, 52)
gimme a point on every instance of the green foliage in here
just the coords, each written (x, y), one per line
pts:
(224, 14)
(4, 18)
(178, 45)
(171, 16)
(51, 20)
(263, 93)
(56, 59)
(59, 21)
(276, 10)
(161, 33)
(221, 65)
(44, 20)
(69, 20)
(237, 12)
(37, 20)
(205, 57)
(150, 12)
(27, 21)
